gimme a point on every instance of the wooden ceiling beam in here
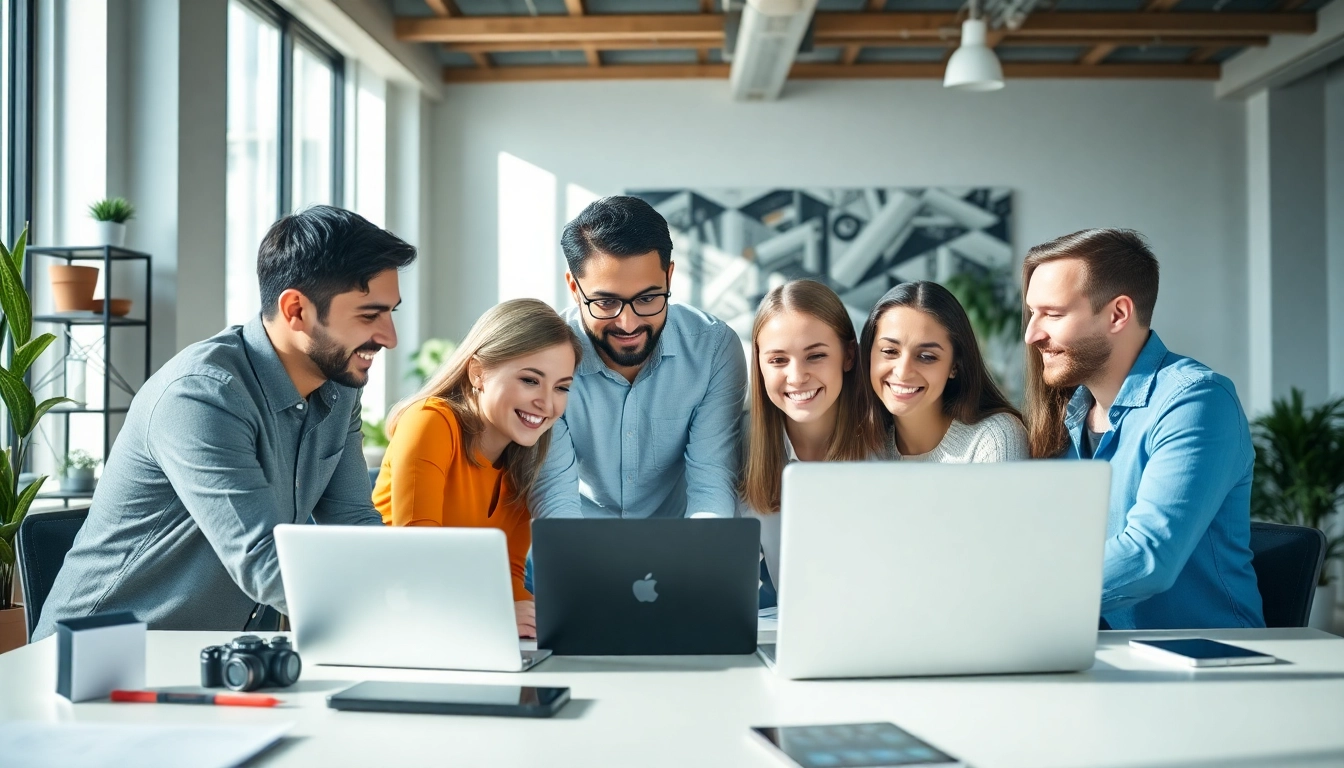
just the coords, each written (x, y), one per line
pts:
(482, 60)
(444, 7)
(803, 71)
(594, 58)
(1289, 5)
(575, 7)
(695, 30)
(1012, 70)
(851, 54)
(1008, 40)
(1098, 53)
(1160, 6)
(613, 72)
(1204, 54)
(846, 27)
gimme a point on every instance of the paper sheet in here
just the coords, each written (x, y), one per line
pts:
(81, 745)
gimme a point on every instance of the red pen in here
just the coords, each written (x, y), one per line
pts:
(218, 699)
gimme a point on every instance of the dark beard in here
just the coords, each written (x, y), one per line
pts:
(626, 359)
(334, 362)
(1082, 361)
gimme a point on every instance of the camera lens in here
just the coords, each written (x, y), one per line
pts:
(243, 672)
(285, 667)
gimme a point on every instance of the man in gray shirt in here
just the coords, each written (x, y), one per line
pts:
(257, 426)
(652, 422)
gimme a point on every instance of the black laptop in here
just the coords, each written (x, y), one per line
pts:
(646, 587)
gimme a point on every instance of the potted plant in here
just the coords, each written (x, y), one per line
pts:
(994, 306)
(23, 413)
(77, 472)
(428, 357)
(375, 443)
(1299, 479)
(112, 214)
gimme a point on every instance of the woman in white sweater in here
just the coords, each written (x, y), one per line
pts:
(937, 400)
(808, 398)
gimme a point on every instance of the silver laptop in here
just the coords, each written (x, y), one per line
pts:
(905, 568)
(430, 598)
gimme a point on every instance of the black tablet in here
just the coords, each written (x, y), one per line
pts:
(446, 699)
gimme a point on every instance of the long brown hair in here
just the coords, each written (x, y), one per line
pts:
(507, 331)
(969, 397)
(1116, 262)
(855, 437)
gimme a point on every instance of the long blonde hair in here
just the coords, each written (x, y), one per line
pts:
(507, 331)
(855, 437)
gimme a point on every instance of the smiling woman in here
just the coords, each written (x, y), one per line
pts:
(466, 448)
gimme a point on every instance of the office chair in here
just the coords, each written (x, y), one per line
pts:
(43, 541)
(1287, 560)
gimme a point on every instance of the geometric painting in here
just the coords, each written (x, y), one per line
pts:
(733, 245)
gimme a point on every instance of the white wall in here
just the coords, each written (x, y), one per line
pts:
(1334, 219)
(1164, 158)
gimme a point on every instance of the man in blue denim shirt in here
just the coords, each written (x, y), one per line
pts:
(652, 422)
(1101, 385)
(257, 426)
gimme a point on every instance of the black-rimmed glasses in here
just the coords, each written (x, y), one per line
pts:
(643, 305)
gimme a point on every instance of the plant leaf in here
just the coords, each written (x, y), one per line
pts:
(25, 356)
(14, 301)
(7, 531)
(47, 405)
(20, 248)
(16, 396)
(26, 498)
(6, 553)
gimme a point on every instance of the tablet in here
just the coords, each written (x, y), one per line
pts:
(447, 699)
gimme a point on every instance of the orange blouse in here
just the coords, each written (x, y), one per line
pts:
(427, 480)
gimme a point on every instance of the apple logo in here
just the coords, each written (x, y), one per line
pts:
(397, 600)
(644, 589)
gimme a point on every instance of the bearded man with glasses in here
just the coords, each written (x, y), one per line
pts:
(651, 429)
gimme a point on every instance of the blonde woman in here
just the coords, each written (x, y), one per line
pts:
(807, 398)
(465, 449)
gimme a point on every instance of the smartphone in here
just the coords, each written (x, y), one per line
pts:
(445, 699)
(1199, 652)
(854, 745)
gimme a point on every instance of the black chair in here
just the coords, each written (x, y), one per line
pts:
(1287, 560)
(43, 541)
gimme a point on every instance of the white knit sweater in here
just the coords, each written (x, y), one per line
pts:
(1000, 437)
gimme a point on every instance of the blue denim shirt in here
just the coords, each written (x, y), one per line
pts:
(662, 446)
(1178, 539)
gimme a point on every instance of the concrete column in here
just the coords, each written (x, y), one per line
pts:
(1289, 304)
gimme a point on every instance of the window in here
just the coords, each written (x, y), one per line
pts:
(16, 46)
(284, 135)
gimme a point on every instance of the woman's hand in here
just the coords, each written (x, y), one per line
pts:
(525, 612)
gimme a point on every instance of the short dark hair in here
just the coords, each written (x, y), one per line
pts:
(322, 251)
(1116, 262)
(620, 226)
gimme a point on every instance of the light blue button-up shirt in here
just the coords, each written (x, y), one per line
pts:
(1178, 550)
(665, 445)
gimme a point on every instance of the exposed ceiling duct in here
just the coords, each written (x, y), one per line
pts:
(768, 36)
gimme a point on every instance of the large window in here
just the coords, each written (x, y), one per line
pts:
(284, 135)
(16, 45)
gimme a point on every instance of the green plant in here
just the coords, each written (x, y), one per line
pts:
(117, 209)
(990, 299)
(429, 357)
(375, 436)
(78, 461)
(22, 409)
(1299, 466)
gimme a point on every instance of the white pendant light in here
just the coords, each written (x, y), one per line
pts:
(973, 66)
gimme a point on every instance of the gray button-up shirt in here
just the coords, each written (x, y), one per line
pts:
(663, 446)
(218, 448)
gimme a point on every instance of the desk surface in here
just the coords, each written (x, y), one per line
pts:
(695, 711)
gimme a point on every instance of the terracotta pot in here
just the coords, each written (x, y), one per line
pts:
(120, 307)
(72, 287)
(13, 629)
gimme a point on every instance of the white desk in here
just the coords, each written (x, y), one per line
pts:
(694, 711)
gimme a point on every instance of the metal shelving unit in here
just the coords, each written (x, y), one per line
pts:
(108, 256)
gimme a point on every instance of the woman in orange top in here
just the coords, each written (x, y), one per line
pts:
(466, 448)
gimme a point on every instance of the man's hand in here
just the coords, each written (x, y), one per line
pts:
(525, 613)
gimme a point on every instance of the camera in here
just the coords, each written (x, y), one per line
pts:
(249, 663)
